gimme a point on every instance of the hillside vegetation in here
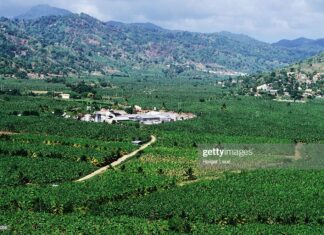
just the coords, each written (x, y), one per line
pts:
(80, 44)
(51, 135)
(301, 80)
(302, 44)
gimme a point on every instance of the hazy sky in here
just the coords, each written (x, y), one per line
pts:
(267, 20)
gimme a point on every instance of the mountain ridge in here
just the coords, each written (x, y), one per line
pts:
(42, 10)
(82, 44)
(302, 44)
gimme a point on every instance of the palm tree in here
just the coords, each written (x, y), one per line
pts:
(190, 174)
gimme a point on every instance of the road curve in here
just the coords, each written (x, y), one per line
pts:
(119, 161)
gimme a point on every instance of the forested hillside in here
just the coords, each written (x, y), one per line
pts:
(302, 44)
(301, 80)
(80, 44)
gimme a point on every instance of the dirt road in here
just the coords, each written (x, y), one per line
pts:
(119, 161)
(6, 133)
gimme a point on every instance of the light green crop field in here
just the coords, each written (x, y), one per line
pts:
(163, 189)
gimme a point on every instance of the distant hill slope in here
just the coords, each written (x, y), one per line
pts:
(81, 44)
(302, 44)
(301, 80)
(43, 10)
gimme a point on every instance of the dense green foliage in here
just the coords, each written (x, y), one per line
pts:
(59, 148)
(229, 200)
(294, 79)
(44, 147)
(34, 223)
(16, 170)
(163, 189)
(303, 44)
(80, 44)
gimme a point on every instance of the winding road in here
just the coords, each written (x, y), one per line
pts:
(119, 161)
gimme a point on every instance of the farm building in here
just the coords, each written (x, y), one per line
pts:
(87, 118)
(145, 117)
(103, 116)
(264, 87)
(64, 96)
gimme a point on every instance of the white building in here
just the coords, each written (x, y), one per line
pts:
(274, 92)
(87, 118)
(154, 117)
(147, 117)
(138, 108)
(286, 94)
(119, 112)
(264, 87)
(65, 96)
(121, 119)
(104, 116)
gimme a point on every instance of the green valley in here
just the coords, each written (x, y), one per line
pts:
(127, 128)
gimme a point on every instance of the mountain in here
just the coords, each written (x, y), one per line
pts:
(302, 44)
(147, 25)
(81, 44)
(43, 10)
(294, 43)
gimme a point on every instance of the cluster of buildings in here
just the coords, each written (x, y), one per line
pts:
(225, 73)
(146, 117)
(307, 79)
(61, 95)
(267, 88)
